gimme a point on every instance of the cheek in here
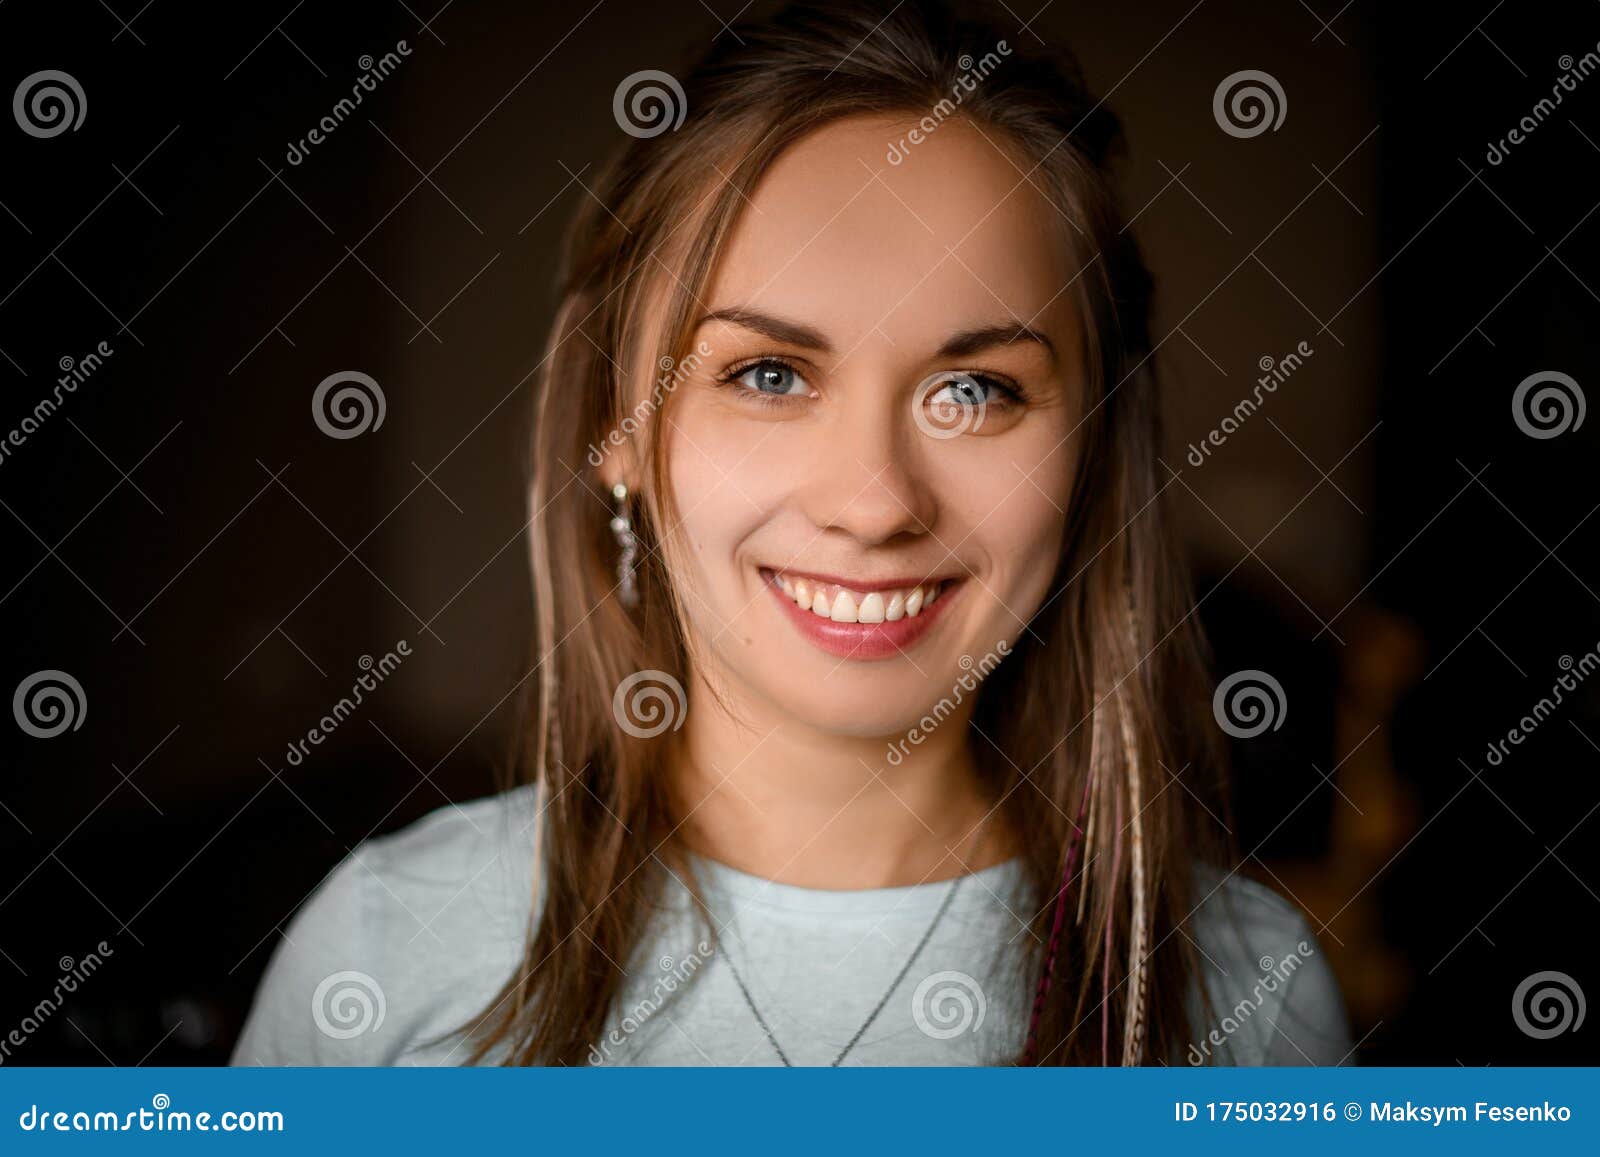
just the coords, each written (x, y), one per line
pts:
(1025, 535)
(1013, 505)
(725, 480)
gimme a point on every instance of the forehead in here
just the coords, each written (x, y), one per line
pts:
(837, 236)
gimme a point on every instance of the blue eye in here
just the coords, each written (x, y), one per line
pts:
(772, 378)
(970, 390)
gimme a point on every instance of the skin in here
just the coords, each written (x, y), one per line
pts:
(783, 757)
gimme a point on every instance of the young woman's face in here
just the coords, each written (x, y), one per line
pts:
(871, 469)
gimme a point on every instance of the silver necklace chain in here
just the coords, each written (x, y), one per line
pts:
(878, 1008)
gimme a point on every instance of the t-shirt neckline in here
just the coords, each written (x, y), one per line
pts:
(981, 888)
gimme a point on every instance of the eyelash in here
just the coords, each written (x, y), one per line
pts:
(730, 379)
(1014, 392)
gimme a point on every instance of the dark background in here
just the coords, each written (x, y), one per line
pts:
(183, 540)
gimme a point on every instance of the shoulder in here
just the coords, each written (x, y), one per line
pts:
(404, 936)
(1271, 997)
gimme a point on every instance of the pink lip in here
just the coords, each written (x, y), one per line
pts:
(865, 641)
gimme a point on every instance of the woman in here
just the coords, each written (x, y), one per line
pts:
(868, 721)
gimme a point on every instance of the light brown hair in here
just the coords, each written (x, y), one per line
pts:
(1121, 657)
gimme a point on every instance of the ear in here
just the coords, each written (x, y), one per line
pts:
(615, 461)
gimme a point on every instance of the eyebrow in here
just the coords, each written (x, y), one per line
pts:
(972, 341)
(776, 328)
(963, 344)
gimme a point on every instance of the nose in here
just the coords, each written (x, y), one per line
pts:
(867, 479)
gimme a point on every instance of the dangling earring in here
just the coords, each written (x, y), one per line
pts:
(627, 546)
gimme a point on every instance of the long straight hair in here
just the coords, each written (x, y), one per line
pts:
(1104, 701)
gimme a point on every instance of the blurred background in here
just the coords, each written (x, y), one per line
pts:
(1397, 537)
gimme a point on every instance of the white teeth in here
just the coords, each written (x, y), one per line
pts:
(846, 606)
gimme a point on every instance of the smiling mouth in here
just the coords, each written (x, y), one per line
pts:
(869, 603)
(861, 620)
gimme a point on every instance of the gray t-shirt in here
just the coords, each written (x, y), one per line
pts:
(412, 936)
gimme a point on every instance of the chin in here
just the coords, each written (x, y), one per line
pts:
(865, 708)
(881, 698)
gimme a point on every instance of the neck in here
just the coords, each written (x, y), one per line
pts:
(767, 795)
